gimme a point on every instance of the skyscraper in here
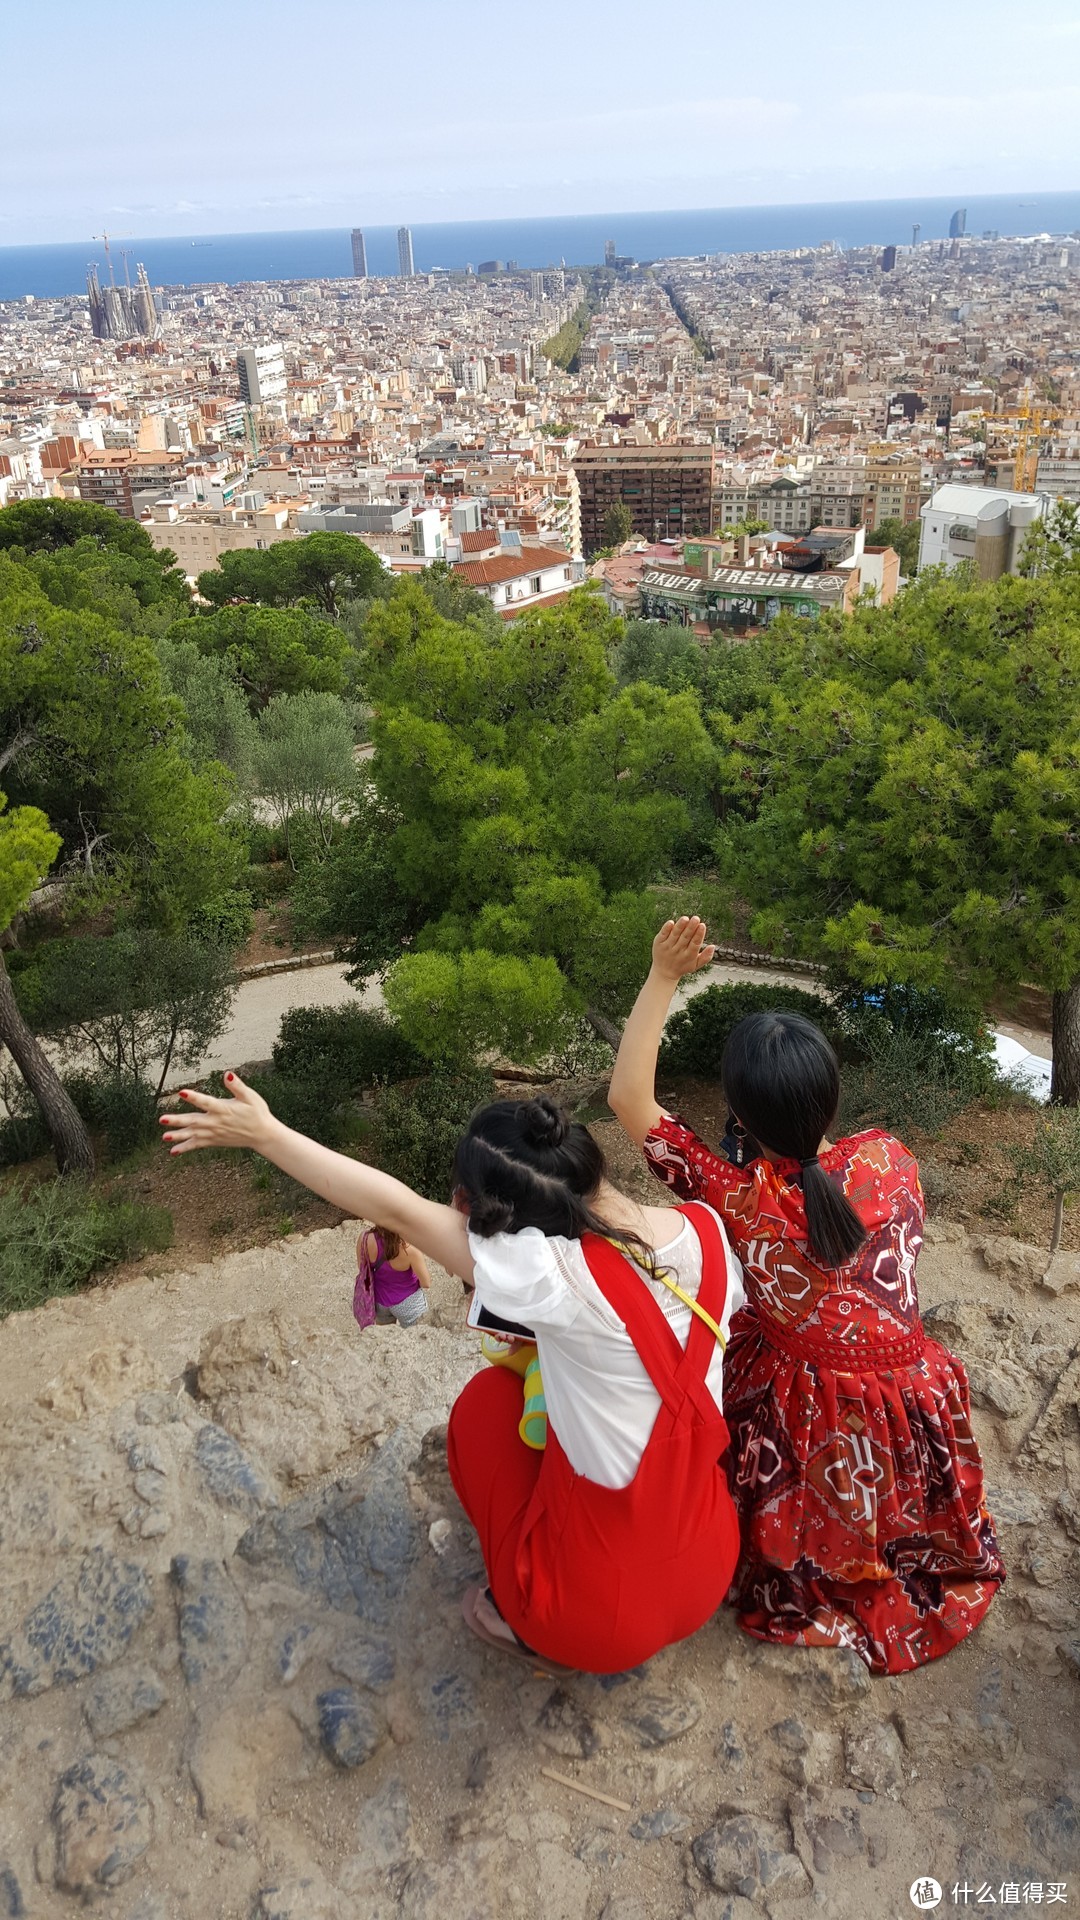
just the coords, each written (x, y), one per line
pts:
(405, 253)
(261, 375)
(609, 253)
(958, 224)
(359, 255)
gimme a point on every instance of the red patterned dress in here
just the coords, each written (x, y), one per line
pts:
(856, 1474)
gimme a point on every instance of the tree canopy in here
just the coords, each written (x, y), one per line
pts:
(77, 530)
(326, 569)
(89, 735)
(273, 650)
(903, 536)
(904, 791)
(522, 803)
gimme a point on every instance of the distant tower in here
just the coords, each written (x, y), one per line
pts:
(404, 253)
(915, 232)
(958, 224)
(888, 259)
(609, 253)
(99, 325)
(144, 305)
(359, 255)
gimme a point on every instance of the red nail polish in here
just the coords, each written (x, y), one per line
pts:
(228, 1076)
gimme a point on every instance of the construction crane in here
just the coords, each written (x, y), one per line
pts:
(104, 238)
(1032, 421)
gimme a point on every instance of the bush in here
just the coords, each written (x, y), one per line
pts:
(23, 1133)
(900, 1082)
(55, 1236)
(417, 1128)
(348, 1046)
(951, 1036)
(224, 922)
(126, 1111)
(695, 1038)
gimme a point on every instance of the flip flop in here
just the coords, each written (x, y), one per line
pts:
(515, 1648)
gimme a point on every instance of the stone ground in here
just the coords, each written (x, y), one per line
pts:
(236, 1684)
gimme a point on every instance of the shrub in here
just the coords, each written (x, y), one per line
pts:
(224, 921)
(349, 1046)
(950, 1034)
(695, 1037)
(126, 1110)
(899, 1083)
(55, 1236)
(23, 1133)
(418, 1127)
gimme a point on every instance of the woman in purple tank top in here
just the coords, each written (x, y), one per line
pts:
(392, 1279)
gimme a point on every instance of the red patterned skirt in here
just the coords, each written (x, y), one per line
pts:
(860, 1498)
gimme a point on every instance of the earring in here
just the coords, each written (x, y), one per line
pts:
(739, 1132)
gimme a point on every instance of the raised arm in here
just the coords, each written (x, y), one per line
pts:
(679, 948)
(246, 1121)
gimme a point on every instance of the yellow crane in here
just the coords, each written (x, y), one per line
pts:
(1025, 464)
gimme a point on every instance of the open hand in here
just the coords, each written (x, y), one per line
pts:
(680, 947)
(242, 1121)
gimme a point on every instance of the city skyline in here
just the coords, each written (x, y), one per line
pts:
(664, 139)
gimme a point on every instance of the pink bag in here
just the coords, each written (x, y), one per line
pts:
(363, 1300)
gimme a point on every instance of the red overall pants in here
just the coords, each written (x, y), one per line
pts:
(600, 1578)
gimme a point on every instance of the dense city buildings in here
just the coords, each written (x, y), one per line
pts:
(760, 415)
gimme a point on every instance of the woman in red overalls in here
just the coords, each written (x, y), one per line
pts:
(621, 1537)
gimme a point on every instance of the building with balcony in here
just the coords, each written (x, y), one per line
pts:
(667, 489)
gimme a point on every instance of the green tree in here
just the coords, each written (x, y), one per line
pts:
(617, 524)
(274, 650)
(903, 537)
(666, 656)
(453, 1006)
(133, 1002)
(217, 722)
(1053, 544)
(304, 765)
(326, 569)
(27, 849)
(1053, 1162)
(354, 895)
(89, 735)
(904, 794)
(527, 806)
(52, 526)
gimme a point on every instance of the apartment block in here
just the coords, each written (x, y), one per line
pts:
(119, 477)
(667, 489)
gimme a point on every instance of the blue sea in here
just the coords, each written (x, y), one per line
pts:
(576, 239)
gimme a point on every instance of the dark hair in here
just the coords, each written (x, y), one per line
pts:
(392, 1242)
(526, 1163)
(782, 1078)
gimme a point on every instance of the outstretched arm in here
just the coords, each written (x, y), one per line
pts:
(246, 1121)
(679, 948)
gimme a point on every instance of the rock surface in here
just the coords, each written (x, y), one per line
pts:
(236, 1682)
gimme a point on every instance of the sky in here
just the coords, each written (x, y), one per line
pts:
(227, 116)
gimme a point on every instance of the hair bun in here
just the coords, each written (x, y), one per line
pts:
(488, 1214)
(542, 1123)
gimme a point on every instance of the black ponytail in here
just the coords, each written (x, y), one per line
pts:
(782, 1078)
(525, 1163)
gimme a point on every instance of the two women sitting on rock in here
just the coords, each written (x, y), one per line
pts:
(851, 1458)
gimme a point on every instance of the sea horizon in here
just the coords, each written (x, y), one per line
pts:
(57, 270)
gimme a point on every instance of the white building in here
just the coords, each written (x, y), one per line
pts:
(261, 373)
(513, 582)
(1059, 475)
(978, 524)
